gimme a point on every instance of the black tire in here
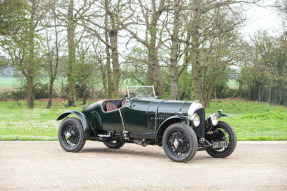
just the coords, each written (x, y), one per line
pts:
(71, 135)
(179, 142)
(116, 144)
(222, 131)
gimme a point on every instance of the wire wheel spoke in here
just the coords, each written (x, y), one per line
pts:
(220, 134)
(178, 143)
(70, 135)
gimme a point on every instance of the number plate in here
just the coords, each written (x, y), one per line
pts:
(219, 144)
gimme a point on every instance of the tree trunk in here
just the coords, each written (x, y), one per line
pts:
(49, 105)
(153, 75)
(30, 100)
(280, 101)
(53, 68)
(174, 53)
(270, 96)
(31, 70)
(195, 57)
(71, 56)
(259, 93)
(115, 61)
(103, 70)
(84, 93)
(108, 63)
(150, 70)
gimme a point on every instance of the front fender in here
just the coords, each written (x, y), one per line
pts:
(219, 114)
(80, 115)
(169, 121)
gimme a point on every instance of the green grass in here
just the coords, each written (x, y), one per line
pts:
(233, 84)
(251, 120)
(19, 123)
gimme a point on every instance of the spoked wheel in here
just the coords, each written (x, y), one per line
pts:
(180, 142)
(224, 140)
(71, 135)
(115, 144)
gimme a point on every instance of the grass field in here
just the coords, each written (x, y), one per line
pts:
(251, 120)
(12, 82)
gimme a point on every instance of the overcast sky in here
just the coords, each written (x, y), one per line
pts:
(262, 18)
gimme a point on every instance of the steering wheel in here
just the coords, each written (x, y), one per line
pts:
(127, 96)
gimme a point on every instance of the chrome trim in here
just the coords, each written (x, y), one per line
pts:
(193, 107)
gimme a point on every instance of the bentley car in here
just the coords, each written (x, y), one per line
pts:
(179, 127)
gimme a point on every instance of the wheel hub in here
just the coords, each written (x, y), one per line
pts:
(68, 135)
(176, 143)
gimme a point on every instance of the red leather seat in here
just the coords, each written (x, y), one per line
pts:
(111, 107)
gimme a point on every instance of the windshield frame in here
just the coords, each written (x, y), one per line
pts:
(150, 97)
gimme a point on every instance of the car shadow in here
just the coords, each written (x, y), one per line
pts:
(141, 153)
(123, 151)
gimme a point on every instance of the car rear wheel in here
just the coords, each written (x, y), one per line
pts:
(222, 134)
(179, 142)
(71, 135)
(115, 144)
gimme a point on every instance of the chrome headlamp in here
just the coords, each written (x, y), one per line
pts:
(214, 119)
(195, 120)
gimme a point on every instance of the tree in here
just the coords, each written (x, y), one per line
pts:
(174, 53)
(106, 28)
(21, 45)
(53, 58)
(71, 27)
(151, 12)
(12, 13)
(266, 73)
(200, 33)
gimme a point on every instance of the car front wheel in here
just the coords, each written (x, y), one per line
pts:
(71, 135)
(223, 139)
(179, 142)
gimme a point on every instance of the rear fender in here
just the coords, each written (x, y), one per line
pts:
(81, 117)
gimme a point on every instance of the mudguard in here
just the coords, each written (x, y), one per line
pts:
(80, 115)
(169, 121)
(219, 114)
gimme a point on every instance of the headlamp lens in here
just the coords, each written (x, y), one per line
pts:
(195, 120)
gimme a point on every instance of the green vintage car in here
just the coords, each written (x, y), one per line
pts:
(180, 127)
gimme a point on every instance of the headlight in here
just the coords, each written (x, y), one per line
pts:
(214, 119)
(195, 120)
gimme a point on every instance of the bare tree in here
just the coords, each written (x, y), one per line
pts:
(151, 12)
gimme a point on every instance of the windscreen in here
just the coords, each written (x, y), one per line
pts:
(141, 91)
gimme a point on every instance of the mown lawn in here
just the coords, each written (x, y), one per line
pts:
(251, 120)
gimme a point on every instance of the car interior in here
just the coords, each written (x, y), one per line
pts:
(111, 105)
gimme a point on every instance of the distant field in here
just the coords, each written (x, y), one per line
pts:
(9, 82)
(251, 120)
(12, 82)
(233, 84)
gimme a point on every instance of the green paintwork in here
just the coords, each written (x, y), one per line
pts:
(140, 115)
(80, 115)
